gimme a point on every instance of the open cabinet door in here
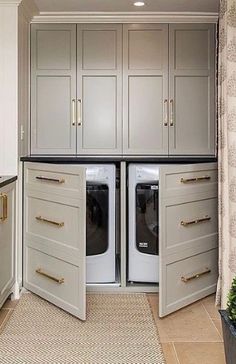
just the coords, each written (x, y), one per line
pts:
(55, 234)
(188, 234)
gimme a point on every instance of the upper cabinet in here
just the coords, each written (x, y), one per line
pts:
(76, 89)
(53, 89)
(99, 89)
(158, 100)
(145, 89)
(191, 89)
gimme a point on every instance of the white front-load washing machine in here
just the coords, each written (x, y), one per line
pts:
(100, 223)
(143, 191)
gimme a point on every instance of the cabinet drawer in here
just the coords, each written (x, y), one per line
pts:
(190, 279)
(53, 227)
(189, 223)
(53, 279)
(190, 180)
(53, 178)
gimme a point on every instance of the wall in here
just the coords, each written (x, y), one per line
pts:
(8, 89)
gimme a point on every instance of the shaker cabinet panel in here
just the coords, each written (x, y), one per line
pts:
(145, 133)
(53, 89)
(144, 47)
(99, 129)
(54, 132)
(191, 89)
(99, 49)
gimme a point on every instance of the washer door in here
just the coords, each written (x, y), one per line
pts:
(97, 218)
(147, 227)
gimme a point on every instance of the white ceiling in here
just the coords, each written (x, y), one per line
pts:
(127, 6)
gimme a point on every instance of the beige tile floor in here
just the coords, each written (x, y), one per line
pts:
(189, 336)
(192, 335)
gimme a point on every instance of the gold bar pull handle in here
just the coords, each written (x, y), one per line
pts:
(4, 199)
(73, 112)
(47, 179)
(49, 276)
(195, 179)
(79, 112)
(55, 223)
(165, 113)
(188, 278)
(171, 102)
(195, 221)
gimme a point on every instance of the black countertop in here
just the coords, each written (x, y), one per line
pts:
(112, 159)
(6, 180)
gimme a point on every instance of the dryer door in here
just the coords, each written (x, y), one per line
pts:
(147, 229)
(97, 218)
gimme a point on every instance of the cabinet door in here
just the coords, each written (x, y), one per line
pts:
(188, 235)
(7, 240)
(99, 89)
(53, 89)
(145, 89)
(192, 89)
(54, 235)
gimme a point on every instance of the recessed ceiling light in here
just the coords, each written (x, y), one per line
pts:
(139, 3)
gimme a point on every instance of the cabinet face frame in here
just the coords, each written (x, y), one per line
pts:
(8, 232)
(198, 75)
(147, 75)
(92, 73)
(55, 76)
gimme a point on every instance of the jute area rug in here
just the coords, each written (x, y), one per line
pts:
(119, 329)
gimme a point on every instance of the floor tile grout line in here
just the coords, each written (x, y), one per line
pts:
(212, 321)
(176, 355)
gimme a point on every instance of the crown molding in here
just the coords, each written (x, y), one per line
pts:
(124, 17)
(29, 8)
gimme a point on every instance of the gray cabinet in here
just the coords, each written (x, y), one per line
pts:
(7, 240)
(99, 89)
(55, 233)
(191, 89)
(188, 234)
(145, 94)
(76, 89)
(53, 89)
(169, 83)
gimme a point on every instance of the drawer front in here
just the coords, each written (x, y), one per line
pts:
(189, 222)
(189, 180)
(53, 279)
(190, 279)
(54, 179)
(52, 221)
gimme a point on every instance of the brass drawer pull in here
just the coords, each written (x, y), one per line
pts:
(79, 112)
(55, 279)
(186, 279)
(165, 112)
(47, 179)
(58, 224)
(171, 112)
(195, 179)
(196, 221)
(4, 199)
(73, 112)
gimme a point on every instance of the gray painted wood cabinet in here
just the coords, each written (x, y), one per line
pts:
(76, 89)
(7, 241)
(163, 89)
(145, 89)
(192, 89)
